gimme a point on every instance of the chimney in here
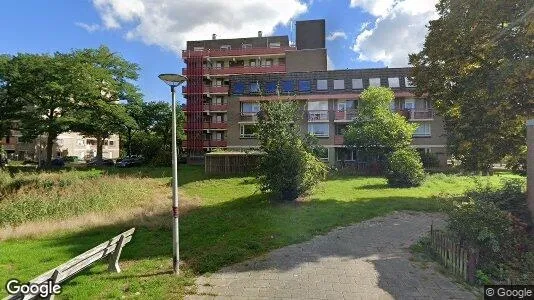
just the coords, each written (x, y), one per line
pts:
(260, 33)
(214, 36)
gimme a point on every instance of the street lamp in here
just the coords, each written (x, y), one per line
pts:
(174, 80)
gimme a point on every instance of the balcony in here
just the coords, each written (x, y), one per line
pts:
(417, 115)
(213, 125)
(338, 140)
(235, 52)
(213, 143)
(318, 116)
(248, 117)
(223, 90)
(345, 115)
(240, 70)
(215, 107)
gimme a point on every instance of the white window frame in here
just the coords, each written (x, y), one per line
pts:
(254, 104)
(311, 129)
(244, 135)
(393, 82)
(425, 133)
(357, 84)
(374, 81)
(320, 105)
(339, 84)
(198, 48)
(274, 45)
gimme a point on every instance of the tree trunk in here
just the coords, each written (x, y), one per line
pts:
(49, 144)
(99, 146)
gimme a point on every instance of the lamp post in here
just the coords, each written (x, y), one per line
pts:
(174, 80)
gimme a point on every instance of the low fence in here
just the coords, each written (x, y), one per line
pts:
(453, 255)
(231, 162)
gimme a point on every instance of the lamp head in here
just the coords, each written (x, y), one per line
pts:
(172, 79)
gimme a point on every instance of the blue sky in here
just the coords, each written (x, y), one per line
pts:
(363, 33)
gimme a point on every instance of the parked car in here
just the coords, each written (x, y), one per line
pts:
(105, 162)
(130, 162)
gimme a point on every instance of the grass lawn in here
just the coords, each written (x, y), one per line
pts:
(227, 221)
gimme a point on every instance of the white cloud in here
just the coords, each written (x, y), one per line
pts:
(88, 27)
(399, 29)
(336, 35)
(170, 23)
(329, 63)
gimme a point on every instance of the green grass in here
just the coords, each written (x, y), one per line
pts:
(231, 222)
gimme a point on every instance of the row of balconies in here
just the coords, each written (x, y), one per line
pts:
(206, 143)
(235, 52)
(348, 115)
(236, 70)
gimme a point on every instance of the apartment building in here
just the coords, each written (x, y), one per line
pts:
(66, 144)
(329, 102)
(210, 63)
(227, 77)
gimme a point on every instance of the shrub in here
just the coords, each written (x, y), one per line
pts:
(404, 168)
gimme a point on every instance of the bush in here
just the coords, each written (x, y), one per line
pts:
(483, 220)
(404, 168)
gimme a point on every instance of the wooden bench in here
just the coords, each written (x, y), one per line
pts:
(111, 249)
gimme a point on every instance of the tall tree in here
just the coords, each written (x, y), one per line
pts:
(102, 109)
(477, 68)
(7, 108)
(41, 88)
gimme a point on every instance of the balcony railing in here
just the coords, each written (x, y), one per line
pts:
(236, 52)
(317, 115)
(213, 143)
(241, 70)
(213, 125)
(248, 117)
(208, 89)
(345, 115)
(338, 140)
(417, 115)
(215, 107)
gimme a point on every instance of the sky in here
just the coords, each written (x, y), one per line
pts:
(152, 33)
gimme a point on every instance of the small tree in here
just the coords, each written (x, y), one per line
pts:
(287, 169)
(378, 131)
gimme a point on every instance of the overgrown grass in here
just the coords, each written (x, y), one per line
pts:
(233, 221)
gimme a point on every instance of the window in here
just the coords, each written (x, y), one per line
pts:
(217, 101)
(357, 84)
(238, 88)
(317, 105)
(226, 47)
(218, 65)
(252, 63)
(323, 154)
(270, 87)
(374, 81)
(339, 84)
(249, 107)
(393, 82)
(287, 86)
(246, 46)
(304, 86)
(218, 82)
(408, 82)
(268, 62)
(255, 87)
(198, 48)
(274, 45)
(422, 130)
(318, 129)
(340, 129)
(247, 131)
(322, 84)
(409, 104)
(111, 143)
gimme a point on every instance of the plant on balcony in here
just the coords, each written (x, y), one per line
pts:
(289, 168)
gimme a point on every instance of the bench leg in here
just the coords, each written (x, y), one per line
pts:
(114, 258)
(53, 279)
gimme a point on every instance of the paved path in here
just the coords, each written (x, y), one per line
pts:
(368, 260)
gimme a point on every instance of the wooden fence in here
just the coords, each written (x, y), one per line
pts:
(231, 162)
(460, 259)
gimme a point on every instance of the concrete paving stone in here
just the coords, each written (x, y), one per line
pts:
(368, 260)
